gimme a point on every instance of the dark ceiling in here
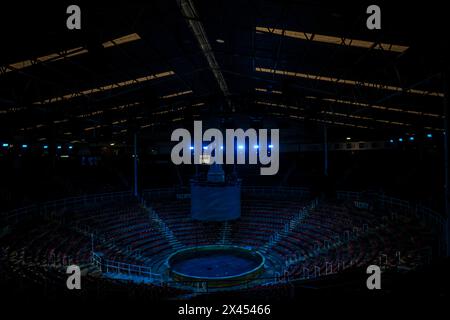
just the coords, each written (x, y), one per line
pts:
(365, 89)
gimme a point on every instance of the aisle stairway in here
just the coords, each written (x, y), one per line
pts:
(163, 228)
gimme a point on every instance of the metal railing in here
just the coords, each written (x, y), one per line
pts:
(384, 261)
(114, 268)
(283, 192)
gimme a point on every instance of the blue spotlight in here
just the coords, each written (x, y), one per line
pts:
(256, 146)
(24, 146)
(221, 147)
(400, 139)
(270, 146)
(240, 147)
(70, 147)
(5, 145)
(59, 147)
(411, 138)
(391, 141)
(205, 148)
(46, 147)
(191, 148)
(429, 135)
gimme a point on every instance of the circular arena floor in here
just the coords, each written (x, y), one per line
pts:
(218, 265)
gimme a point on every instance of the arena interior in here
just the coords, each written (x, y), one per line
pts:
(87, 177)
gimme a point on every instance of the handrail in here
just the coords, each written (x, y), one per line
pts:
(118, 267)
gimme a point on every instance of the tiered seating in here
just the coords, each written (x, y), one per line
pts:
(125, 233)
(260, 219)
(381, 241)
(33, 253)
(176, 214)
(333, 234)
(326, 224)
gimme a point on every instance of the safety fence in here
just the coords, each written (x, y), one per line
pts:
(384, 261)
(124, 270)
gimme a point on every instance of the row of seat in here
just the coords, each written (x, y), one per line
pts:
(333, 236)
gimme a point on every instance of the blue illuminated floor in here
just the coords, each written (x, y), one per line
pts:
(215, 265)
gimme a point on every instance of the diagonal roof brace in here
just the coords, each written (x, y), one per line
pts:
(190, 14)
